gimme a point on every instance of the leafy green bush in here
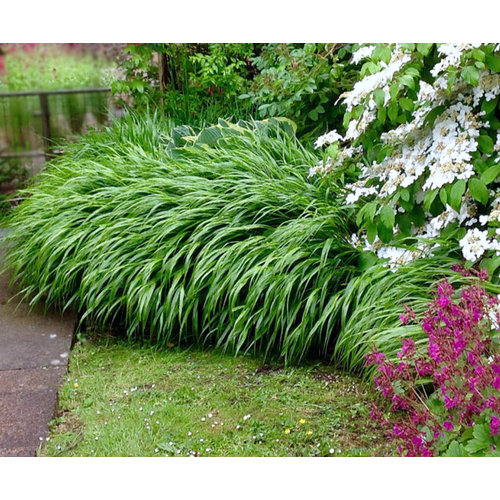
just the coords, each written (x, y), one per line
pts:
(300, 81)
(422, 133)
(191, 82)
(197, 83)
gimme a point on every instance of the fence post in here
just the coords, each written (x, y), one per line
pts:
(162, 74)
(46, 133)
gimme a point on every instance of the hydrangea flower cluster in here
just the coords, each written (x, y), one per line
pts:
(462, 367)
(423, 130)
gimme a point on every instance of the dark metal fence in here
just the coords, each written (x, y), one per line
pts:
(31, 122)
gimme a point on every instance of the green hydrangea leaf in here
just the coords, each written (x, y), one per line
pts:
(493, 62)
(456, 193)
(478, 190)
(491, 174)
(471, 75)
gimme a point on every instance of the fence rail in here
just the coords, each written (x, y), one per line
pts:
(25, 93)
(45, 113)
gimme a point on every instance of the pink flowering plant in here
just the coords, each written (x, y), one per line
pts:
(446, 400)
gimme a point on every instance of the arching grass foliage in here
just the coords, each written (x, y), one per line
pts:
(213, 237)
(223, 241)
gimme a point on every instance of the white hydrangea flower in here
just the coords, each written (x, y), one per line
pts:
(362, 53)
(497, 143)
(321, 168)
(453, 54)
(433, 155)
(328, 138)
(474, 244)
(355, 241)
(367, 85)
(358, 192)
(397, 256)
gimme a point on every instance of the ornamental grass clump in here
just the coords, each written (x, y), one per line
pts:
(460, 370)
(213, 238)
(368, 308)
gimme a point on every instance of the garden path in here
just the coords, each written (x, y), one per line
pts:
(34, 349)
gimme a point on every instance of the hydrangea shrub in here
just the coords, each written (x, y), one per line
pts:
(422, 142)
(460, 370)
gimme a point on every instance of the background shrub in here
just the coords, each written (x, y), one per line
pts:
(301, 82)
(199, 83)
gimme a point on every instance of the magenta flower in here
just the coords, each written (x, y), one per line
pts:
(496, 383)
(494, 425)
(460, 364)
(443, 301)
(448, 425)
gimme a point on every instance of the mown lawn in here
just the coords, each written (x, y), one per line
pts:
(123, 400)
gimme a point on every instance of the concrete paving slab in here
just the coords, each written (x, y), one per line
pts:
(34, 349)
(30, 339)
(16, 452)
(28, 400)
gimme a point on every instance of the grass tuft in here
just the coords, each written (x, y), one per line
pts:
(212, 237)
(223, 243)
